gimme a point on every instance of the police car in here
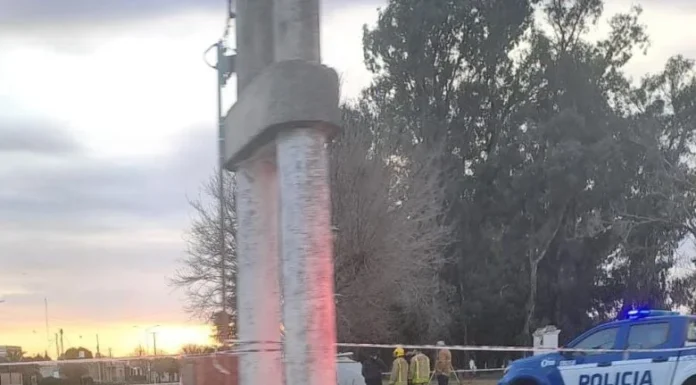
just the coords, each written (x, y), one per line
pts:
(625, 363)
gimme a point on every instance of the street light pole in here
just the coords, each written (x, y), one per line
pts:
(221, 174)
(154, 343)
(225, 67)
(147, 331)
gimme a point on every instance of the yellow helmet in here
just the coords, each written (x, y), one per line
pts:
(399, 351)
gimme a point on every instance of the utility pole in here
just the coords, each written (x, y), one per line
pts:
(62, 347)
(99, 364)
(46, 318)
(275, 139)
(57, 348)
(220, 49)
(224, 67)
(154, 344)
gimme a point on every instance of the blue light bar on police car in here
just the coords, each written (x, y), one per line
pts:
(644, 313)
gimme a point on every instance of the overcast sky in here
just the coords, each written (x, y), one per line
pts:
(107, 125)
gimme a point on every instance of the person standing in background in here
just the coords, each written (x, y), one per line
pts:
(443, 364)
(372, 368)
(472, 366)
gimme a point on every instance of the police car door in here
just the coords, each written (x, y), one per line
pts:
(648, 368)
(593, 368)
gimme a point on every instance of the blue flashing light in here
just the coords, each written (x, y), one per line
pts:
(634, 314)
(638, 313)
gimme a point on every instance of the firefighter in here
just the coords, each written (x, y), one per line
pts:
(419, 369)
(399, 372)
(443, 365)
(408, 356)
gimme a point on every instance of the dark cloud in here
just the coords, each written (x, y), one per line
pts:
(40, 138)
(80, 185)
(24, 11)
(58, 11)
(76, 212)
(98, 237)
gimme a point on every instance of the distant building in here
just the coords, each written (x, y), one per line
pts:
(49, 371)
(7, 350)
(10, 378)
(108, 371)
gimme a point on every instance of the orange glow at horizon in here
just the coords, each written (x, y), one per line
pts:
(122, 339)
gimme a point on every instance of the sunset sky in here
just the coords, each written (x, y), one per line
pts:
(107, 125)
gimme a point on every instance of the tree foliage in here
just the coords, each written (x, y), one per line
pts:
(197, 349)
(139, 351)
(388, 209)
(558, 166)
(165, 365)
(73, 372)
(200, 272)
(77, 354)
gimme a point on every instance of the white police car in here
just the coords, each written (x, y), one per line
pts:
(626, 363)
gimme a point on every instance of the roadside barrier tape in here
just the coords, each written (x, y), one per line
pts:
(487, 370)
(250, 342)
(479, 370)
(493, 348)
(242, 350)
(217, 365)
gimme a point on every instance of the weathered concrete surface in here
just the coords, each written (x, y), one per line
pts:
(291, 106)
(254, 39)
(296, 30)
(285, 95)
(307, 258)
(258, 288)
(258, 291)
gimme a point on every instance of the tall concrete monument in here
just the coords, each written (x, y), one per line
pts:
(275, 140)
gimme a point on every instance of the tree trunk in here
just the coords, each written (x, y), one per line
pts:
(536, 255)
(531, 300)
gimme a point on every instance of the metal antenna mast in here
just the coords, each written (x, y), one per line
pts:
(225, 68)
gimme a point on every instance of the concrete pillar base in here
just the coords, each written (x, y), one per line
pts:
(258, 288)
(307, 258)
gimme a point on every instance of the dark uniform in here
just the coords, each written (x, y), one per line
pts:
(372, 368)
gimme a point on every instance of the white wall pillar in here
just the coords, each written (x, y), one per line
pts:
(307, 258)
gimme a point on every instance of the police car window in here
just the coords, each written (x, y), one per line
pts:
(603, 339)
(647, 336)
(691, 335)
